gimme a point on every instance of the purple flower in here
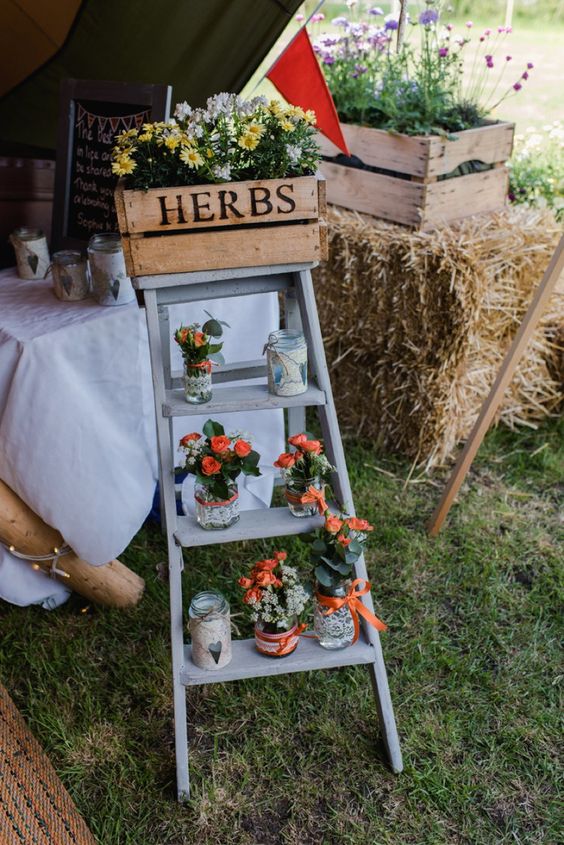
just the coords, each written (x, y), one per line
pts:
(300, 18)
(525, 75)
(517, 86)
(530, 65)
(328, 59)
(501, 29)
(340, 22)
(317, 18)
(429, 16)
(487, 32)
(489, 61)
(391, 24)
(443, 51)
(360, 69)
(450, 27)
(376, 10)
(508, 58)
(469, 24)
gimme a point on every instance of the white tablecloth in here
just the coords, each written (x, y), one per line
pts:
(77, 439)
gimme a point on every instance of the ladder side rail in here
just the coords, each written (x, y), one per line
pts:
(293, 320)
(335, 452)
(175, 560)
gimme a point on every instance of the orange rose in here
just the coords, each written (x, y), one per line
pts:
(242, 448)
(265, 565)
(199, 339)
(210, 466)
(182, 335)
(333, 524)
(313, 446)
(245, 582)
(286, 460)
(359, 524)
(252, 596)
(189, 437)
(344, 541)
(280, 555)
(265, 578)
(297, 439)
(220, 444)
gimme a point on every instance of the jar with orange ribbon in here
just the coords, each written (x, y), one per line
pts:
(276, 599)
(334, 550)
(306, 472)
(199, 353)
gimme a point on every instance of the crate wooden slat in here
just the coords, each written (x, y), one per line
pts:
(235, 224)
(420, 200)
(250, 397)
(252, 525)
(247, 662)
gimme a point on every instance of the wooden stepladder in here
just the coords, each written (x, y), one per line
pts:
(294, 280)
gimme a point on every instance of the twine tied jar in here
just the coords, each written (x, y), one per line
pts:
(210, 630)
(110, 283)
(70, 279)
(286, 362)
(32, 252)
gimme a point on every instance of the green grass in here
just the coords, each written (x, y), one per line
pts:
(472, 655)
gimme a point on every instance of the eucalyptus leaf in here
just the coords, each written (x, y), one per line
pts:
(319, 546)
(217, 358)
(323, 576)
(252, 459)
(212, 428)
(212, 327)
(223, 323)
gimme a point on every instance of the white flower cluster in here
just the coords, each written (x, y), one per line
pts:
(192, 451)
(280, 605)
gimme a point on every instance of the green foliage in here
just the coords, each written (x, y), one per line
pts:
(195, 344)
(536, 170)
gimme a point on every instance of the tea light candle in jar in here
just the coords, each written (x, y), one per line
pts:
(32, 252)
(70, 280)
(210, 630)
(110, 283)
(286, 362)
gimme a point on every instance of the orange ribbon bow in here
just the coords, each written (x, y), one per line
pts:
(285, 642)
(312, 494)
(355, 605)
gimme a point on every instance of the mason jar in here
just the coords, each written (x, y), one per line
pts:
(70, 279)
(286, 362)
(294, 491)
(198, 382)
(335, 630)
(277, 639)
(213, 515)
(110, 283)
(210, 630)
(32, 252)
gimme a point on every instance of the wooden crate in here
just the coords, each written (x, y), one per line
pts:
(212, 227)
(420, 199)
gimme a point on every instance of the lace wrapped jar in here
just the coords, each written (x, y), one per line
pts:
(32, 252)
(334, 630)
(286, 362)
(210, 630)
(213, 515)
(70, 279)
(198, 382)
(295, 490)
(277, 639)
(110, 283)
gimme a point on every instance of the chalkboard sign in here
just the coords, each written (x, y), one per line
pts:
(91, 114)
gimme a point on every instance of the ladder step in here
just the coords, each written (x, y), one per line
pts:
(239, 371)
(247, 662)
(251, 397)
(252, 525)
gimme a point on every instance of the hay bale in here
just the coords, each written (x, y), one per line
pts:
(416, 325)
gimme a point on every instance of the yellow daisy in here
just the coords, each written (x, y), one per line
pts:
(123, 166)
(256, 129)
(287, 125)
(310, 117)
(172, 141)
(248, 141)
(146, 136)
(191, 157)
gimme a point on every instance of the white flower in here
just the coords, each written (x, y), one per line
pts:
(182, 110)
(223, 173)
(294, 153)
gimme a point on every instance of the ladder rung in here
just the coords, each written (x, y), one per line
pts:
(247, 662)
(252, 525)
(229, 372)
(251, 397)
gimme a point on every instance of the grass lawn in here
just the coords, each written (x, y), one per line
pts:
(472, 654)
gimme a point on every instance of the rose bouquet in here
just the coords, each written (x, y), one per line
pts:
(198, 352)
(276, 599)
(230, 139)
(303, 467)
(217, 460)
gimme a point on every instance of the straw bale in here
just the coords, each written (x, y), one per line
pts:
(416, 325)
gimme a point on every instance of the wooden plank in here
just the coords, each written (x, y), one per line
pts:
(398, 200)
(195, 277)
(223, 289)
(488, 144)
(251, 397)
(228, 204)
(454, 199)
(495, 396)
(247, 662)
(258, 246)
(253, 525)
(240, 370)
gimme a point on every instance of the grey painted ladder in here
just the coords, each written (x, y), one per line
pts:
(294, 280)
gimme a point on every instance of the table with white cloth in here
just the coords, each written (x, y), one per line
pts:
(77, 431)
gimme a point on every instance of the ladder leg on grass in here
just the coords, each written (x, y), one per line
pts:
(295, 281)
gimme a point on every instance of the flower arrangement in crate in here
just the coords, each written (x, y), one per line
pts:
(217, 460)
(334, 550)
(434, 100)
(306, 472)
(261, 155)
(276, 599)
(198, 353)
